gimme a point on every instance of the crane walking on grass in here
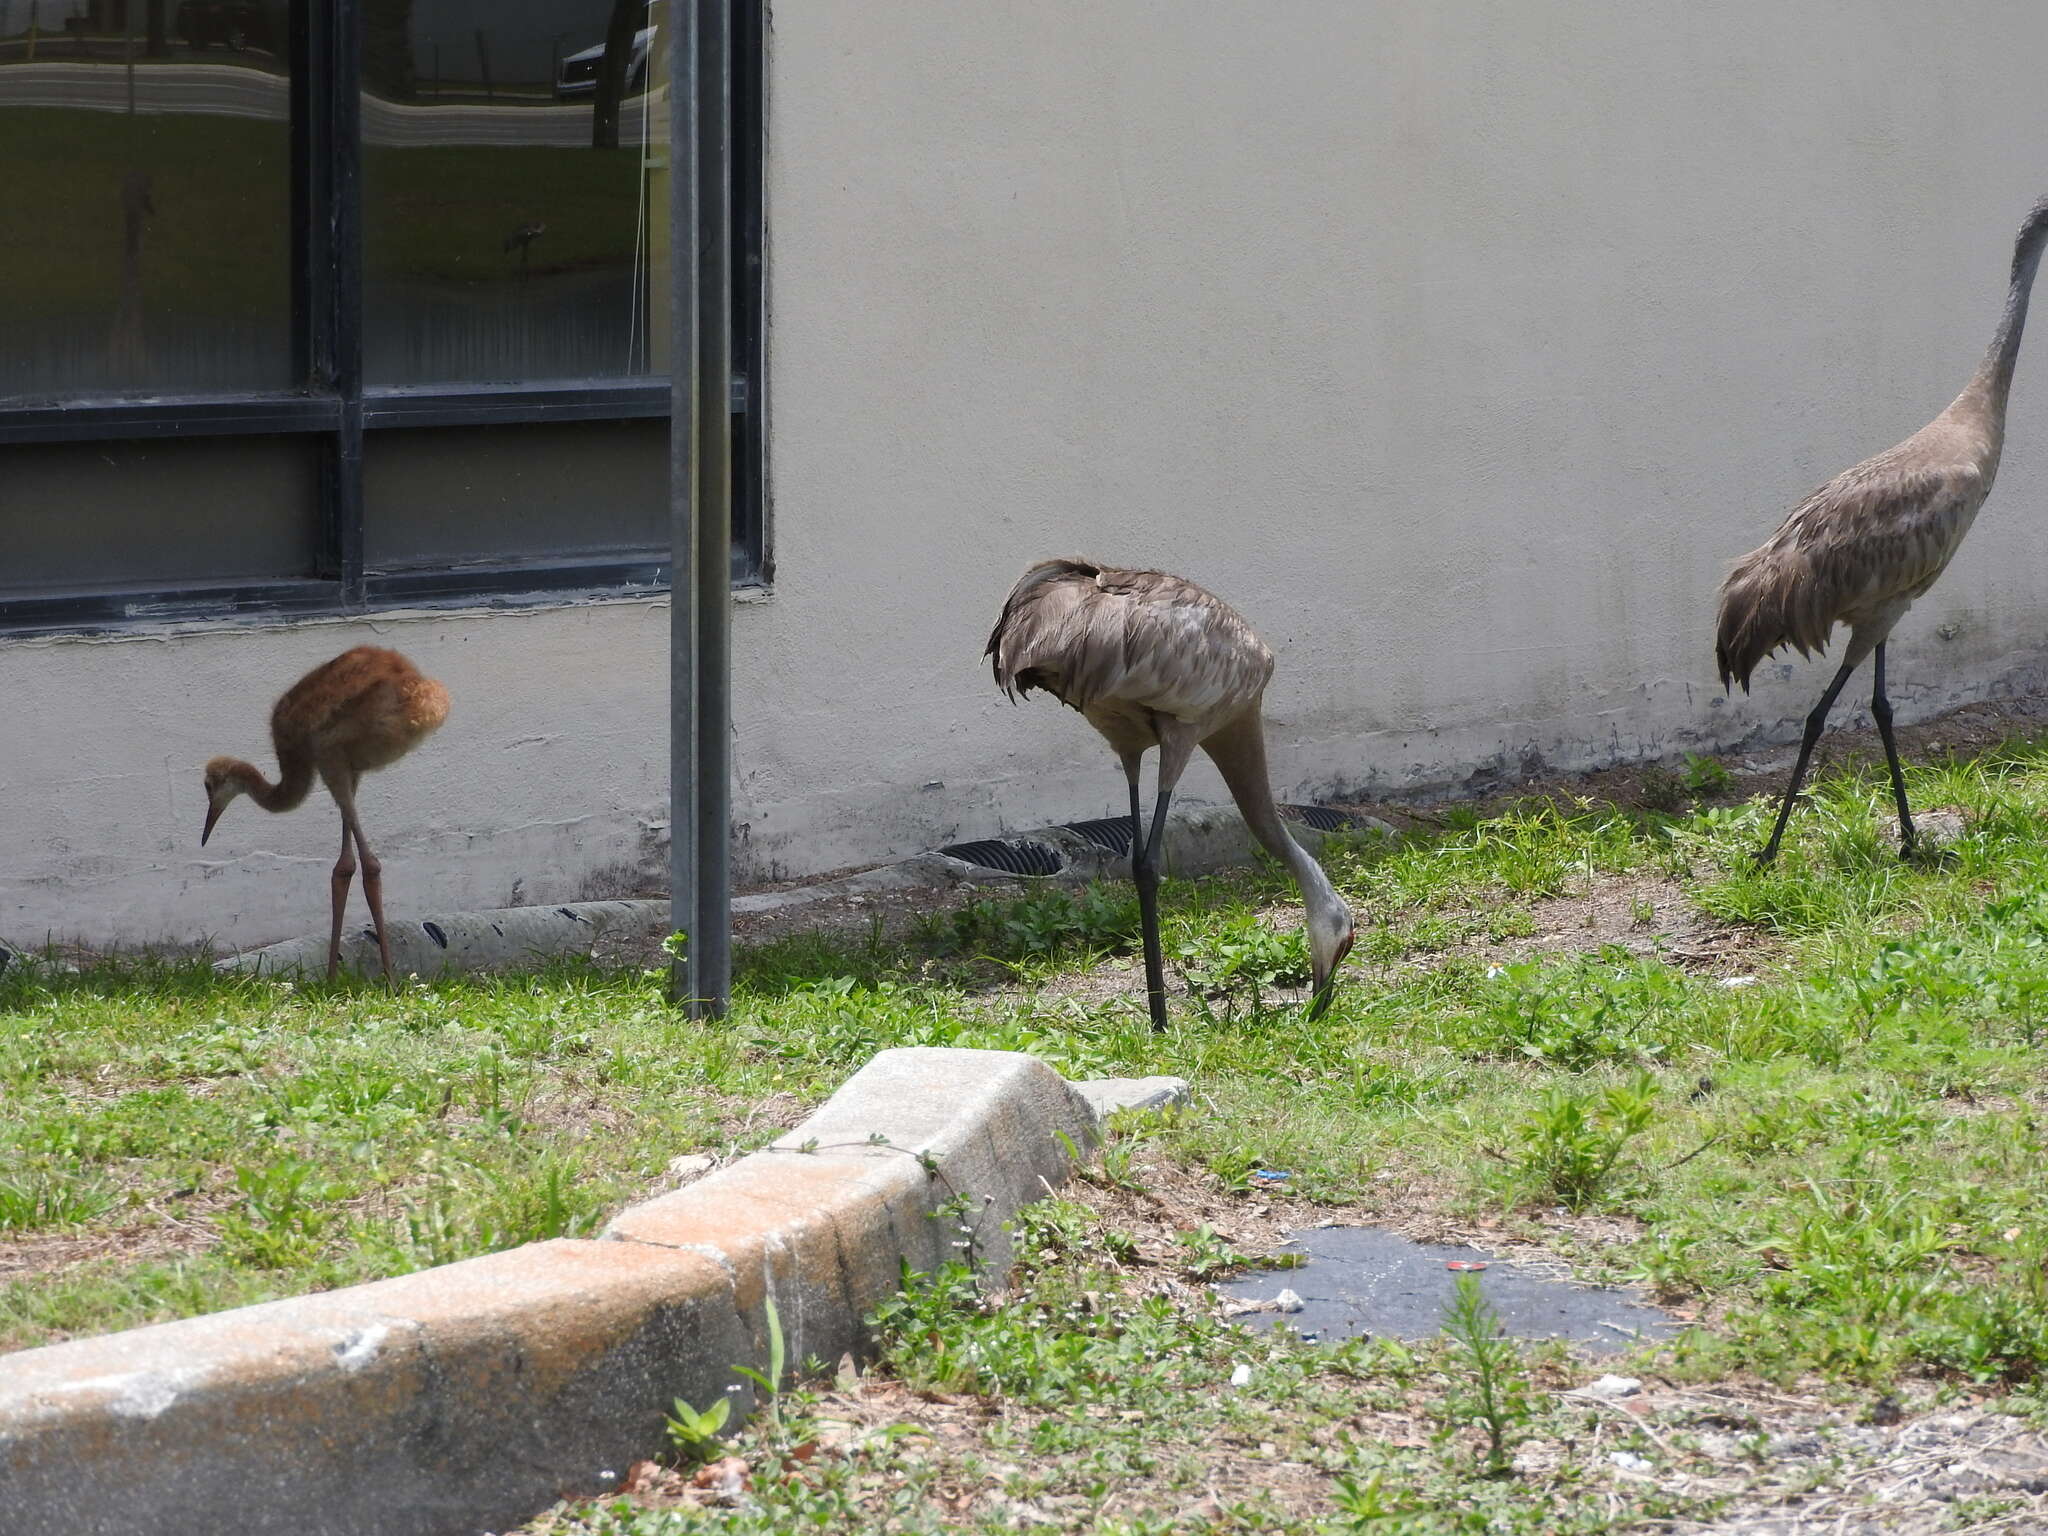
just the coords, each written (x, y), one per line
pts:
(1859, 550)
(365, 709)
(1151, 660)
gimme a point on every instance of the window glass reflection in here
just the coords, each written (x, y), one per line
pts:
(563, 490)
(507, 178)
(145, 151)
(167, 512)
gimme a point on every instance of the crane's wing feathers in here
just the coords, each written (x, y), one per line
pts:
(1876, 535)
(366, 706)
(1088, 633)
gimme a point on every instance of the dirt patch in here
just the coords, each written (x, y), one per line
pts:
(1647, 915)
(169, 1234)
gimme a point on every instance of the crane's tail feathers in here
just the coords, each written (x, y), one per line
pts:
(1010, 643)
(1767, 603)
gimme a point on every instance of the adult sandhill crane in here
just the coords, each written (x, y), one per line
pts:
(365, 709)
(1152, 660)
(1859, 550)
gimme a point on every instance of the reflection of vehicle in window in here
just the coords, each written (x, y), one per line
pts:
(234, 24)
(578, 74)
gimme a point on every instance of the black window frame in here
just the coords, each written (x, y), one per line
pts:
(333, 407)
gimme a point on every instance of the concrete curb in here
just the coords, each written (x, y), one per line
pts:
(461, 941)
(471, 1396)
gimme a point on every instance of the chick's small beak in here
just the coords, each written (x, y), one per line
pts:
(212, 816)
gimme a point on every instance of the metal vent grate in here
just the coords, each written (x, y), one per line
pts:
(1020, 858)
(1112, 834)
(1321, 817)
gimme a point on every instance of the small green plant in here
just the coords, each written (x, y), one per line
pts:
(1365, 1504)
(1243, 952)
(1571, 1147)
(45, 1199)
(1706, 775)
(1209, 1256)
(284, 1220)
(958, 1213)
(1574, 1016)
(770, 1381)
(695, 1435)
(1659, 789)
(1495, 1392)
(1043, 925)
(1118, 1168)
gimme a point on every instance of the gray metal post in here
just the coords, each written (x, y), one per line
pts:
(700, 504)
(714, 501)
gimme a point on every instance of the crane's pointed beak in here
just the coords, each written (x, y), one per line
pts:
(1326, 982)
(212, 815)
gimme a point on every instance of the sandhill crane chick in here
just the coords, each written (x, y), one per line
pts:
(365, 709)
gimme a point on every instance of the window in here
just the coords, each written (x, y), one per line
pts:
(331, 303)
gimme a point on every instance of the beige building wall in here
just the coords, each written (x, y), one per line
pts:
(1461, 346)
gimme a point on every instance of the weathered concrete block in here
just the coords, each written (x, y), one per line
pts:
(473, 1395)
(826, 1217)
(448, 1400)
(986, 1124)
(1106, 1095)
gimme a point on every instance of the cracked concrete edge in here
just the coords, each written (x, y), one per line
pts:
(461, 941)
(469, 1397)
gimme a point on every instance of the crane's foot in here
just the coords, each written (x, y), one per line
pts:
(1764, 857)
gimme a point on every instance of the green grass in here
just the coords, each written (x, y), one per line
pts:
(249, 1139)
(1836, 1167)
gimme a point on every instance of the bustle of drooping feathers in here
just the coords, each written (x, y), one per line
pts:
(1100, 636)
(1023, 597)
(1854, 552)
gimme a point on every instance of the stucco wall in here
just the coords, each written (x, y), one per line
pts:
(1460, 346)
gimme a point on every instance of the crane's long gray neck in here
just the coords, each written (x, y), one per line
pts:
(1993, 381)
(1239, 752)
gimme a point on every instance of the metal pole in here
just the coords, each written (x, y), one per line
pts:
(682, 495)
(714, 503)
(700, 506)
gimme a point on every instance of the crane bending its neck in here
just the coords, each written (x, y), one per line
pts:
(228, 777)
(1993, 380)
(1239, 752)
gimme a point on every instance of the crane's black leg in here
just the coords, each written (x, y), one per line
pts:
(1145, 876)
(1815, 723)
(1881, 712)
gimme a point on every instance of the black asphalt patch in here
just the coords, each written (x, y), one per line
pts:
(1363, 1281)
